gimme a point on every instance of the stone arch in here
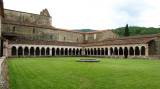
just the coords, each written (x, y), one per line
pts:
(102, 51)
(95, 51)
(80, 51)
(62, 51)
(20, 50)
(57, 51)
(111, 51)
(77, 51)
(37, 51)
(26, 51)
(126, 52)
(43, 51)
(70, 51)
(99, 51)
(106, 51)
(116, 51)
(137, 51)
(48, 51)
(120, 51)
(66, 51)
(89, 52)
(131, 51)
(53, 51)
(85, 51)
(14, 51)
(142, 50)
(32, 51)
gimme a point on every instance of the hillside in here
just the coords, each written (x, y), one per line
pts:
(133, 30)
(137, 30)
(85, 30)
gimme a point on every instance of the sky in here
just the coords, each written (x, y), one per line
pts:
(93, 14)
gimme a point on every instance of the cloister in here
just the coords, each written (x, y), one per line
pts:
(121, 51)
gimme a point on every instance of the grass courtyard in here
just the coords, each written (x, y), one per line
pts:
(66, 73)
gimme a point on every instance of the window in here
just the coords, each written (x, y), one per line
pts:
(95, 36)
(77, 39)
(14, 28)
(34, 30)
(64, 38)
(86, 37)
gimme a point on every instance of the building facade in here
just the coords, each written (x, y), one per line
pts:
(32, 35)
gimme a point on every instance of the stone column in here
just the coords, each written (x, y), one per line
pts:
(50, 52)
(40, 52)
(22, 51)
(109, 52)
(34, 51)
(55, 52)
(146, 51)
(29, 51)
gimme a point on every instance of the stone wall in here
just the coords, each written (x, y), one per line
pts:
(100, 36)
(35, 33)
(27, 17)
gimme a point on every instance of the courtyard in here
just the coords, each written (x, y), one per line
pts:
(66, 73)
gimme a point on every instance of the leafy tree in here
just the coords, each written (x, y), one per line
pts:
(126, 31)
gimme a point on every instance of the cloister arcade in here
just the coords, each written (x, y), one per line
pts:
(107, 51)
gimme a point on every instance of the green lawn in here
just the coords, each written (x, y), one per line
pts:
(66, 73)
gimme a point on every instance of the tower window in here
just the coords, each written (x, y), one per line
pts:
(95, 36)
(77, 39)
(64, 38)
(34, 30)
(14, 28)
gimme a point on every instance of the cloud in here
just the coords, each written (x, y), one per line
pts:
(94, 14)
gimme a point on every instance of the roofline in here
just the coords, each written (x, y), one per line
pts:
(26, 12)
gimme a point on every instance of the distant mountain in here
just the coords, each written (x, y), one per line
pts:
(84, 30)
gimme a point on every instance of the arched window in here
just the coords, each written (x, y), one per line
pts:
(14, 28)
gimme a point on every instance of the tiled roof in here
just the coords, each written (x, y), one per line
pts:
(108, 42)
(35, 42)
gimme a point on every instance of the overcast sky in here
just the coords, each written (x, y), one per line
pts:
(93, 14)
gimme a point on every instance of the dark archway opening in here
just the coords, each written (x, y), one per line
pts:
(99, 51)
(57, 51)
(131, 51)
(120, 51)
(66, 51)
(14, 51)
(32, 51)
(143, 50)
(37, 51)
(106, 51)
(43, 51)
(26, 51)
(48, 51)
(20, 51)
(116, 51)
(53, 51)
(102, 51)
(137, 52)
(111, 51)
(126, 52)
(62, 51)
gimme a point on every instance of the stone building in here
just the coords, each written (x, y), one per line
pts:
(32, 35)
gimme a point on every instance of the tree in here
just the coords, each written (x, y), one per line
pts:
(126, 33)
